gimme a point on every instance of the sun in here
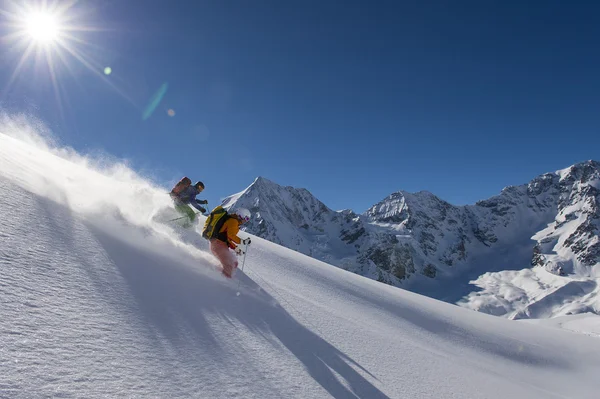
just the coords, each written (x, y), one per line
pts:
(42, 27)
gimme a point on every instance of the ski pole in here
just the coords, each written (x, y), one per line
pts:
(243, 263)
(245, 253)
(182, 217)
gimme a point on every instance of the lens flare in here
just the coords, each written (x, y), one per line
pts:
(155, 100)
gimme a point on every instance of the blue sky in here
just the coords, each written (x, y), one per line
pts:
(351, 100)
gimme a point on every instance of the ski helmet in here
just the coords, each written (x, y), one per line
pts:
(243, 214)
(199, 184)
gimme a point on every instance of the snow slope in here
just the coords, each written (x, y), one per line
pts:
(584, 323)
(97, 300)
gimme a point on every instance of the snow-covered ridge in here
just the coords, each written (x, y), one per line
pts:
(423, 243)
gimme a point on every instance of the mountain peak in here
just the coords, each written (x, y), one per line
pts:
(280, 213)
(392, 209)
(262, 180)
(582, 171)
(398, 206)
(260, 184)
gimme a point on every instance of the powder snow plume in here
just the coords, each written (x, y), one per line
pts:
(93, 186)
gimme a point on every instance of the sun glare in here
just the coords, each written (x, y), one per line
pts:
(42, 27)
(49, 37)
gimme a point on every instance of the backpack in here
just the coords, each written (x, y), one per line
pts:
(184, 183)
(215, 222)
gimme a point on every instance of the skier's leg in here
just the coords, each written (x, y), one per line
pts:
(231, 264)
(222, 252)
(184, 209)
(219, 249)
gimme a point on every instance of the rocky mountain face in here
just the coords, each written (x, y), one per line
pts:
(420, 242)
(571, 242)
(562, 277)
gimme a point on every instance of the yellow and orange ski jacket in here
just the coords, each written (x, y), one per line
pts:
(229, 230)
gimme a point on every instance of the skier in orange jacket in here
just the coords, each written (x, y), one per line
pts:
(227, 239)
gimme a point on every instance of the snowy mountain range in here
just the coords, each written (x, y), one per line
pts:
(532, 251)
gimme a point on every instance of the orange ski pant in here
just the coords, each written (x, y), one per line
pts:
(227, 258)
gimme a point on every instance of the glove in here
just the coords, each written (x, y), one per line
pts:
(203, 202)
(201, 209)
(246, 241)
(238, 251)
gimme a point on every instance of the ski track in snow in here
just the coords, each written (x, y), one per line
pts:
(106, 305)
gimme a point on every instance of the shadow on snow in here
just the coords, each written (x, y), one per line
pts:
(171, 295)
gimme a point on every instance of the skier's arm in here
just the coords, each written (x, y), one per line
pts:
(196, 205)
(232, 228)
